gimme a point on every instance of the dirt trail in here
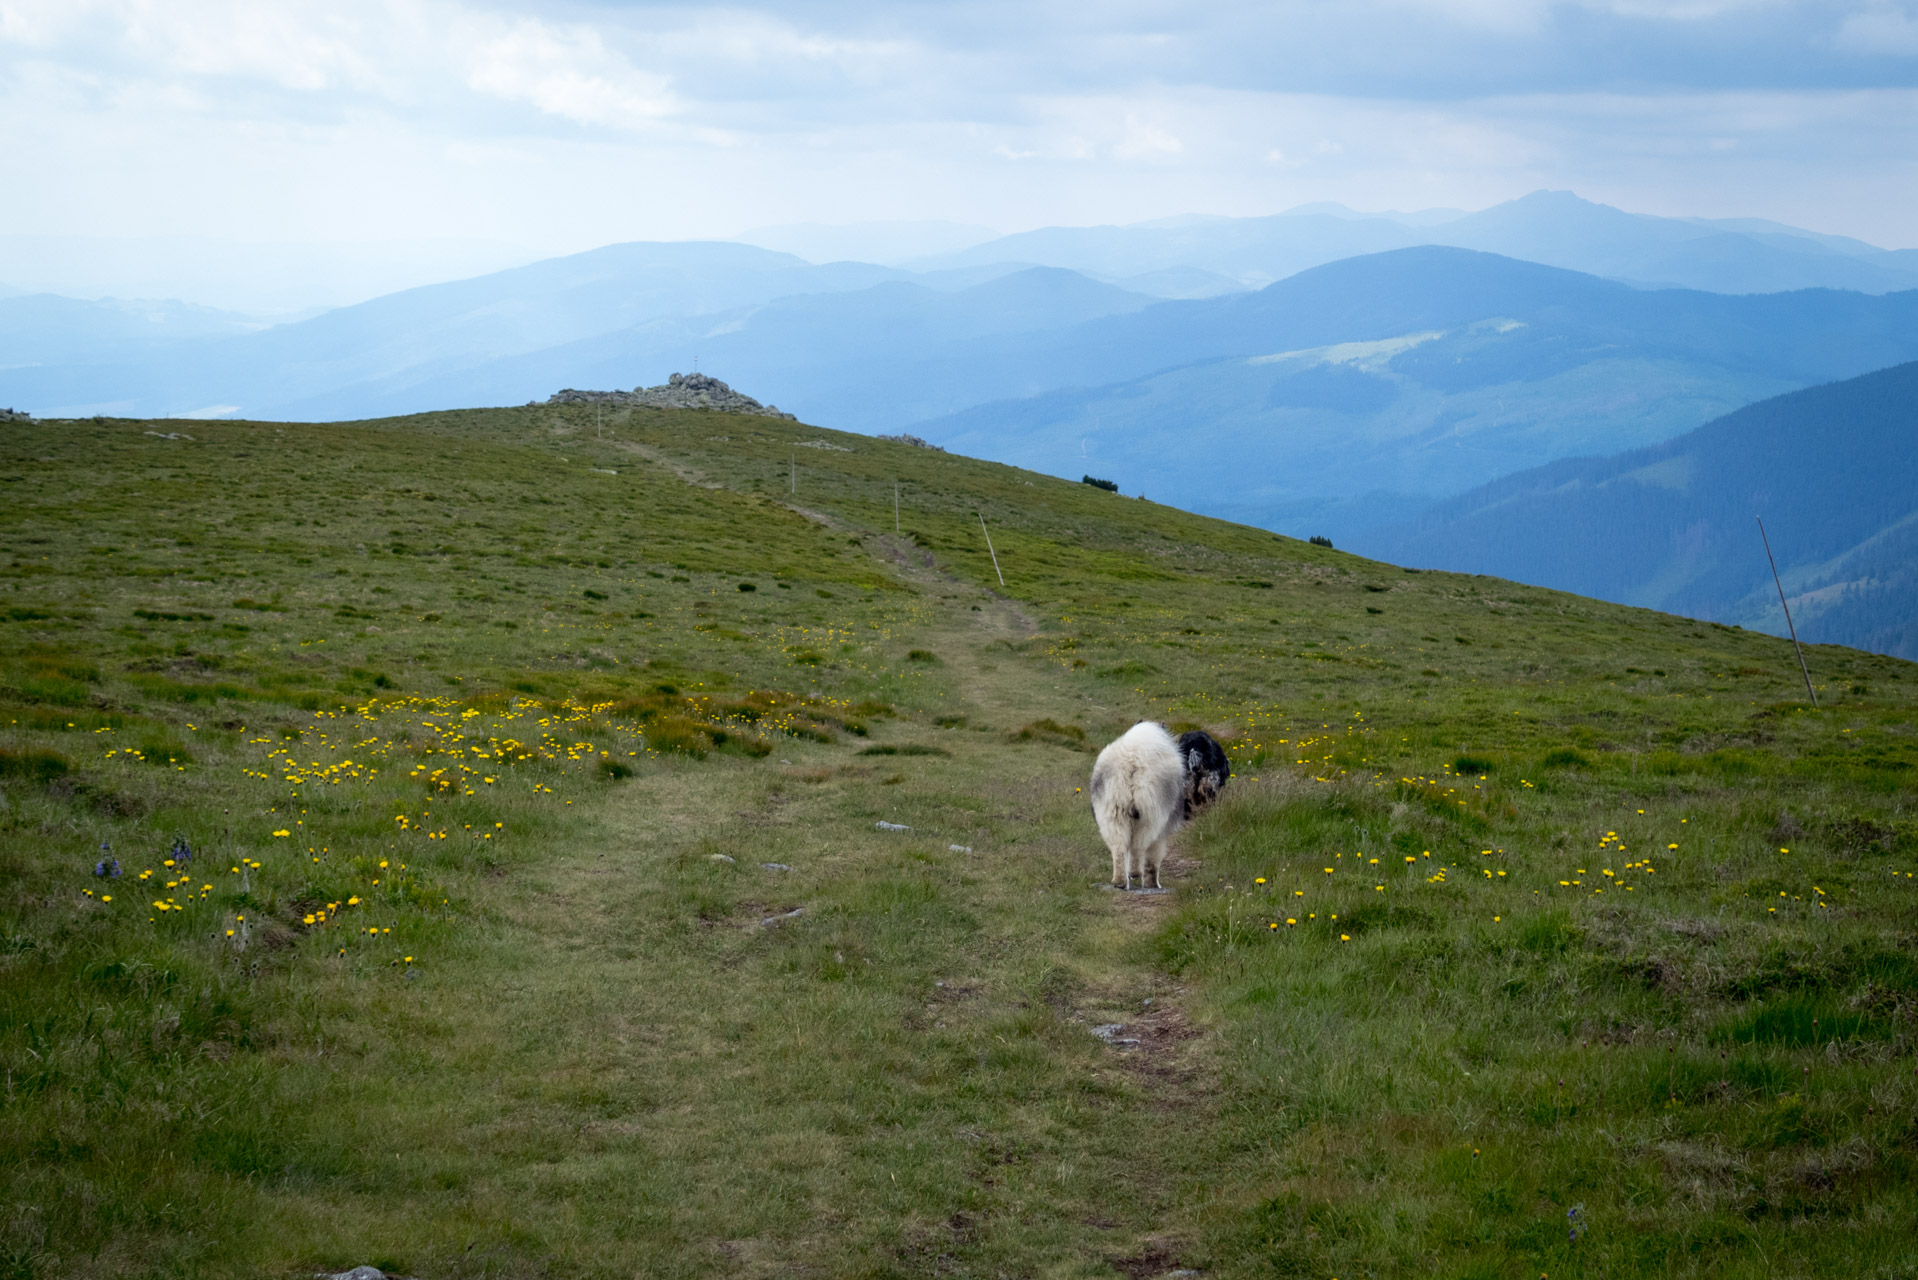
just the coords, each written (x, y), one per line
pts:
(802, 815)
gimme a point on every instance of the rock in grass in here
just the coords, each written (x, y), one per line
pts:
(775, 866)
(717, 857)
(892, 826)
(770, 921)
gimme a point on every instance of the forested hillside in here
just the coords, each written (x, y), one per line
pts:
(1833, 472)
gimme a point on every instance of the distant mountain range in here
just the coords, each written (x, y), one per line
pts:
(1832, 470)
(1352, 395)
(636, 312)
(1341, 399)
(351, 360)
(1316, 372)
(1555, 228)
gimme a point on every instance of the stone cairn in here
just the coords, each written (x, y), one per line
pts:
(914, 441)
(682, 391)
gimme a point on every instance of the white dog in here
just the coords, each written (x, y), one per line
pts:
(1138, 799)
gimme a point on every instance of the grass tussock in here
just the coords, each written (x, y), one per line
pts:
(1052, 733)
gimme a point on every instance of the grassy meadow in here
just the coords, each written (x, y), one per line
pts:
(497, 843)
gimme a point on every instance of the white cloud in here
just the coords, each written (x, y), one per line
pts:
(307, 49)
(569, 72)
(462, 118)
(1144, 141)
(1880, 29)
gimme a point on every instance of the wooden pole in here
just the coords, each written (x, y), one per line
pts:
(989, 550)
(1787, 608)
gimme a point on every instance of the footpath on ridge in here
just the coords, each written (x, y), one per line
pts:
(803, 1037)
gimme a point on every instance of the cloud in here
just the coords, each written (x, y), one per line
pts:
(463, 117)
(1880, 30)
(1143, 141)
(569, 72)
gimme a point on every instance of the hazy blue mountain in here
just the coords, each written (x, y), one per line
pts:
(44, 328)
(888, 243)
(283, 280)
(1356, 393)
(1747, 256)
(434, 330)
(1180, 282)
(1253, 252)
(1552, 227)
(855, 359)
(1832, 470)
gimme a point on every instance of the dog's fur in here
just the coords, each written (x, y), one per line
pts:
(1138, 800)
(1206, 769)
(1144, 787)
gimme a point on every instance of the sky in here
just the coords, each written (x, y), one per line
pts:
(540, 129)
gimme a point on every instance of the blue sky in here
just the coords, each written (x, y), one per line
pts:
(563, 126)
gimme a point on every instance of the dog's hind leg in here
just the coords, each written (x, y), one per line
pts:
(1149, 874)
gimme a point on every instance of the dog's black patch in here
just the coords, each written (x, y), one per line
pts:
(1206, 769)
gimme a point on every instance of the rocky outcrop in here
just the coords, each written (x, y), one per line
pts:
(914, 441)
(14, 415)
(681, 391)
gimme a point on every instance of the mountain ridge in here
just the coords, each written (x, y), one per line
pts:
(1832, 469)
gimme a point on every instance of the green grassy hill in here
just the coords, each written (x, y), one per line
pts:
(503, 892)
